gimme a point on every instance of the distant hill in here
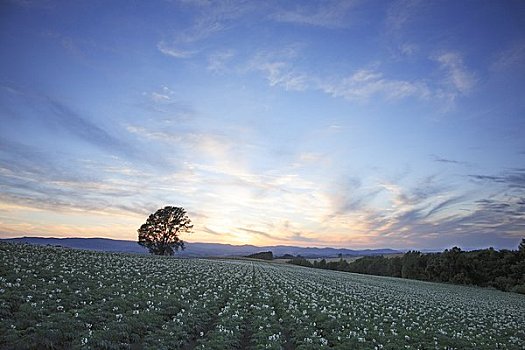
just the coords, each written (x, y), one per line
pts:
(198, 249)
(100, 244)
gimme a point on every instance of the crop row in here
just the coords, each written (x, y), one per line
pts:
(60, 298)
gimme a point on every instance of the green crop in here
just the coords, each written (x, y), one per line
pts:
(61, 298)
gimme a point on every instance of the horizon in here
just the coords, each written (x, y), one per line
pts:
(312, 123)
(421, 249)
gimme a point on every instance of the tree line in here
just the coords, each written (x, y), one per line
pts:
(261, 255)
(503, 269)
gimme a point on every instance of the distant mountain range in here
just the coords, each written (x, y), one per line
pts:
(198, 249)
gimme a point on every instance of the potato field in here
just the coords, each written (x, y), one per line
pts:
(58, 298)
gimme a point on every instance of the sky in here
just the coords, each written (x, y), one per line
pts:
(358, 124)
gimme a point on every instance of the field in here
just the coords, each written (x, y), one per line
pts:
(60, 298)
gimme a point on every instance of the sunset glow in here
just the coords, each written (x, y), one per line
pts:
(312, 123)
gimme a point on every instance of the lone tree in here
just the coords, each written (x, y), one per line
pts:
(160, 233)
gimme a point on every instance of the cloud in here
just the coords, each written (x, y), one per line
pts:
(328, 14)
(349, 196)
(258, 233)
(487, 177)
(367, 83)
(32, 179)
(83, 128)
(311, 158)
(299, 238)
(457, 75)
(280, 70)
(210, 19)
(163, 96)
(206, 229)
(400, 13)
(219, 181)
(510, 59)
(366, 211)
(51, 116)
(43, 175)
(17, 159)
(444, 160)
(389, 209)
(279, 74)
(356, 212)
(408, 49)
(163, 105)
(104, 197)
(513, 178)
(207, 146)
(283, 68)
(277, 66)
(439, 159)
(494, 220)
(217, 61)
(493, 214)
(173, 51)
(444, 205)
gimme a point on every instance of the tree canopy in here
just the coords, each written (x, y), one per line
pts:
(261, 255)
(160, 233)
(504, 269)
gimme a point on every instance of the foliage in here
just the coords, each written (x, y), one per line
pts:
(261, 255)
(504, 269)
(160, 233)
(53, 298)
(285, 256)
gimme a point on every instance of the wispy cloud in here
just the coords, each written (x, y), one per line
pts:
(360, 219)
(260, 165)
(97, 176)
(217, 172)
(258, 233)
(281, 70)
(366, 83)
(200, 145)
(329, 14)
(513, 179)
(173, 51)
(458, 76)
(218, 61)
(278, 68)
(162, 96)
(32, 178)
(400, 13)
(491, 215)
(212, 18)
(444, 160)
(83, 127)
(408, 49)
(164, 104)
(232, 195)
(511, 58)
(279, 74)
(436, 209)
(47, 112)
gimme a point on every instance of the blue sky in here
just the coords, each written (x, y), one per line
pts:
(316, 123)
